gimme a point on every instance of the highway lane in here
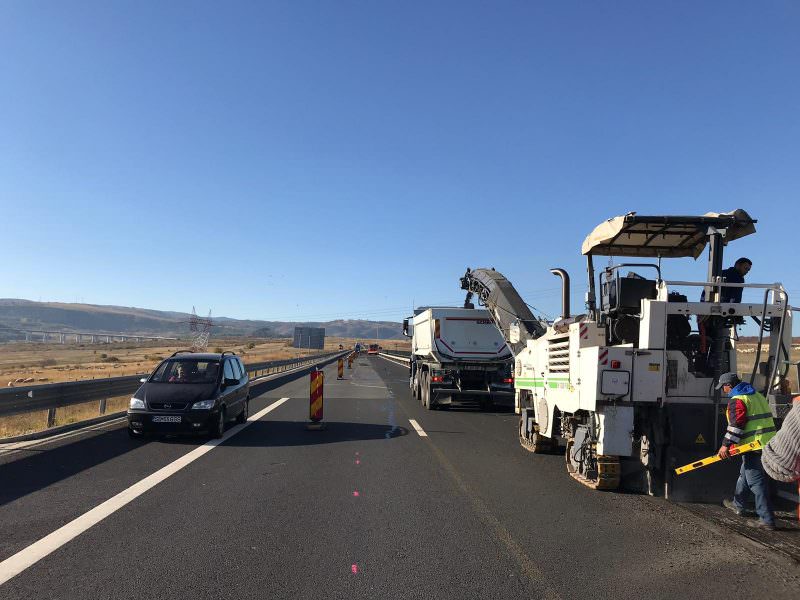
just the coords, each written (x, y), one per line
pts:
(365, 509)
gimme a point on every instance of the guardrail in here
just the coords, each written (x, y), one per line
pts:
(401, 356)
(50, 396)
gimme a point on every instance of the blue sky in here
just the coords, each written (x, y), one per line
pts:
(316, 160)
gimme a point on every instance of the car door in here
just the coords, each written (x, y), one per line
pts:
(239, 374)
(245, 389)
(229, 393)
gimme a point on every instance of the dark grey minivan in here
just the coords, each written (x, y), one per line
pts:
(191, 393)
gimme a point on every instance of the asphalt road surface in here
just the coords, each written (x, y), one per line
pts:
(389, 501)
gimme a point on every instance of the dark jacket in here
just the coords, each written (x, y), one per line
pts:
(731, 275)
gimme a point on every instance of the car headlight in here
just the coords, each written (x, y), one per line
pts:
(203, 405)
(136, 403)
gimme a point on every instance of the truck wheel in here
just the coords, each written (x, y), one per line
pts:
(426, 392)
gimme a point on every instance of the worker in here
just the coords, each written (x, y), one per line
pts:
(749, 420)
(781, 458)
(734, 274)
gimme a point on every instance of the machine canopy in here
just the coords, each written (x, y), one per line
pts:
(665, 236)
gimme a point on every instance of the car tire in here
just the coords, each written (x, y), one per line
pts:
(242, 418)
(218, 429)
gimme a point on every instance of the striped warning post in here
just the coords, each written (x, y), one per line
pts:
(315, 397)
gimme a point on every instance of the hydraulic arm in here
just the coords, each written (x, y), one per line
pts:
(497, 294)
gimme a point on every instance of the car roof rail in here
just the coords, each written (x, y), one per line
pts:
(181, 352)
(228, 352)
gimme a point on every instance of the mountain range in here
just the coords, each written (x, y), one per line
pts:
(17, 314)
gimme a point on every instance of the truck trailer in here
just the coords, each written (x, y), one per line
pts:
(458, 357)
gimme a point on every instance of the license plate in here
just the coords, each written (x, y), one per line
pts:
(166, 419)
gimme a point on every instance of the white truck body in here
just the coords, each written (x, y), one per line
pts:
(458, 355)
(447, 334)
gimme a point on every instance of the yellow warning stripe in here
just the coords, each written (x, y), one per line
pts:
(316, 384)
(734, 451)
(316, 406)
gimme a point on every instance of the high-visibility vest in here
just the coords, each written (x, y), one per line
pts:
(760, 427)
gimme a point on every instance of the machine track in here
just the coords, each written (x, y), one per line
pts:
(607, 476)
(539, 444)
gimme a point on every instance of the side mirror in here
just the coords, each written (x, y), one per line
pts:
(227, 382)
(405, 327)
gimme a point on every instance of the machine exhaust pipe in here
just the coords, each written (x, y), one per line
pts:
(564, 291)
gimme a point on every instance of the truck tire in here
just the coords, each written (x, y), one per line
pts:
(426, 391)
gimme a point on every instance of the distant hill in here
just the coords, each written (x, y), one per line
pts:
(26, 314)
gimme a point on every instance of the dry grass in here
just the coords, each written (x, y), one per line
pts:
(32, 363)
(746, 355)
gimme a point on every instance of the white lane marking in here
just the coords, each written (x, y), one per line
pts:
(417, 428)
(23, 559)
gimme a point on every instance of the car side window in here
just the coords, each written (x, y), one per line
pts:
(242, 368)
(228, 370)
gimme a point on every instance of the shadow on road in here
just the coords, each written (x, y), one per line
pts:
(294, 433)
(45, 467)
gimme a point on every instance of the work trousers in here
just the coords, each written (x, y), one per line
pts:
(753, 480)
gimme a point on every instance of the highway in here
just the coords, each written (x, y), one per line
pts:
(389, 501)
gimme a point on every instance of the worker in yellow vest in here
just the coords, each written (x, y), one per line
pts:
(749, 420)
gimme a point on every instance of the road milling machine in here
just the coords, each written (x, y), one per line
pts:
(628, 388)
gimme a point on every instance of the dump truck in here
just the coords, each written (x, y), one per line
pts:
(458, 357)
(627, 388)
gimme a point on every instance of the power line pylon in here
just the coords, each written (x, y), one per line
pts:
(201, 330)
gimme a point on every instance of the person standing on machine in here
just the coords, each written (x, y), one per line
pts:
(749, 420)
(735, 274)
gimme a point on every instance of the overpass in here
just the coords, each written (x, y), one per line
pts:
(63, 337)
(389, 501)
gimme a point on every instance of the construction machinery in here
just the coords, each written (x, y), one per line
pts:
(628, 387)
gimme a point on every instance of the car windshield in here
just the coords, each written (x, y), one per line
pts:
(187, 371)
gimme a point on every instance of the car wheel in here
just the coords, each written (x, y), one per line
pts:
(219, 428)
(245, 412)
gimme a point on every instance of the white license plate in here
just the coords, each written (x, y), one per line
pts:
(166, 419)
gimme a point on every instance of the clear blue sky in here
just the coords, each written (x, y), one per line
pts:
(315, 160)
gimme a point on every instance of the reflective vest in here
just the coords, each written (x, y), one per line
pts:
(760, 426)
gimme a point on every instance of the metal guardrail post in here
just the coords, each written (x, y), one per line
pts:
(51, 417)
(103, 406)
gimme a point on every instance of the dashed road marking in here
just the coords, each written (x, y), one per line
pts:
(417, 428)
(29, 556)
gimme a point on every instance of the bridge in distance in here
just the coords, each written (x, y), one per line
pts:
(389, 501)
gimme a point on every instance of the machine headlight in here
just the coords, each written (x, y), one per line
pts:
(203, 405)
(136, 403)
